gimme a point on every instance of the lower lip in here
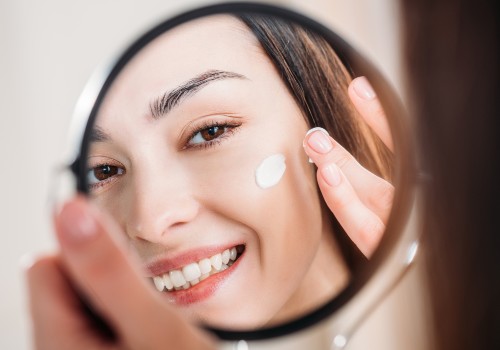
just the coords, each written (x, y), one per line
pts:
(204, 289)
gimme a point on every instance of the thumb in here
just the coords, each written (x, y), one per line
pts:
(94, 255)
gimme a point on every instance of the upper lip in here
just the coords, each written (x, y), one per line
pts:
(164, 265)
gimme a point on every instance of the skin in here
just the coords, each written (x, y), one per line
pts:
(95, 259)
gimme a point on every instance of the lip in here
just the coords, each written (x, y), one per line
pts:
(204, 289)
(162, 266)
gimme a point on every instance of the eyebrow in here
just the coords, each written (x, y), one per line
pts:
(170, 99)
(97, 134)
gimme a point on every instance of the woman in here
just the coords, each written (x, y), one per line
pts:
(209, 124)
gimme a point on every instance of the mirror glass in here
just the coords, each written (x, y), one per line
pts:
(195, 147)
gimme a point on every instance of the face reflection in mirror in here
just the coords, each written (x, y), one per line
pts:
(197, 154)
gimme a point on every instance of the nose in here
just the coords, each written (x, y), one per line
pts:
(160, 206)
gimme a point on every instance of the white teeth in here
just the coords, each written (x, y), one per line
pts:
(191, 272)
(216, 261)
(225, 256)
(177, 278)
(233, 253)
(168, 282)
(159, 284)
(205, 266)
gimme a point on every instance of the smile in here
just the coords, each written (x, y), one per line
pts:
(191, 274)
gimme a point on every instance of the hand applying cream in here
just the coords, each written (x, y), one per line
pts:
(360, 200)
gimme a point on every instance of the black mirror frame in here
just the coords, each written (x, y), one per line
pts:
(404, 174)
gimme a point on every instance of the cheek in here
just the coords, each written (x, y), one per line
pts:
(295, 221)
(281, 219)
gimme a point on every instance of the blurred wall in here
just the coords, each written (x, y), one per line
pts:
(49, 48)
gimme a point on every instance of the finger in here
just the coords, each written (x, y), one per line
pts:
(97, 262)
(362, 225)
(375, 192)
(57, 315)
(368, 105)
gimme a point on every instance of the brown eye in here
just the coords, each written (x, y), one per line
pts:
(212, 133)
(102, 173)
(208, 134)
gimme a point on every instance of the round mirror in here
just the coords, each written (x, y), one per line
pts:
(228, 145)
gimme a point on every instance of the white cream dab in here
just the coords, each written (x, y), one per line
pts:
(270, 171)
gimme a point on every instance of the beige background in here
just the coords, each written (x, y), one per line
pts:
(48, 50)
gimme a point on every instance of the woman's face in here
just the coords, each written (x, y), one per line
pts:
(176, 147)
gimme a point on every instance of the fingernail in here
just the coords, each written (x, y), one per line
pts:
(77, 224)
(320, 141)
(310, 131)
(363, 88)
(331, 174)
(27, 260)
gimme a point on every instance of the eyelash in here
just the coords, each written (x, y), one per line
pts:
(231, 128)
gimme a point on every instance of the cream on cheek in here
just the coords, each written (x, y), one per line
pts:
(270, 171)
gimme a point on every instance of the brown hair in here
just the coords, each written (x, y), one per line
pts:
(318, 81)
(452, 51)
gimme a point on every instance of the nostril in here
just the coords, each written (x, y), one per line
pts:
(177, 225)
